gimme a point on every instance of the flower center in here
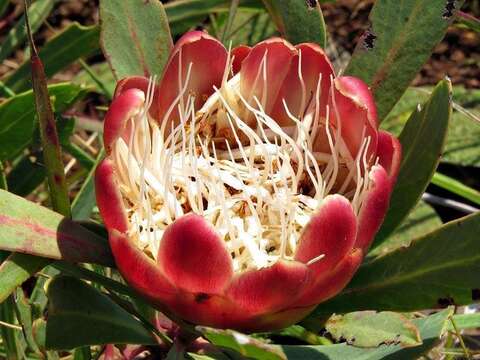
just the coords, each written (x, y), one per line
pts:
(256, 182)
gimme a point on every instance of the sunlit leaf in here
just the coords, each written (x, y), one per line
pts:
(135, 36)
(74, 42)
(371, 329)
(402, 36)
(430, 329)
(30, 228)
(298, 20)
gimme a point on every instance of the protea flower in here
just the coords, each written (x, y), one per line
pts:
(244, 188)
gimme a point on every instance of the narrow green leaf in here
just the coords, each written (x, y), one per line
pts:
(430, 328)
(456, 187)
(38, 12)
(298, 20)
(82, 353)
(372, 329)
(80, 315)
(247, 346)
(179, 11)
(9, 335)
(27, 174)
(52, 152)
(465, 321)
(402, 37)
(73, 43)
(16, 269)
(469, 21)
(83, 157)
(24, 315)
(135, 36)
(437, 269)
(420, 157)
(29, 228)
(3, 178)
(85, 201)
(95, 75)
(463, 132)
(17, 116)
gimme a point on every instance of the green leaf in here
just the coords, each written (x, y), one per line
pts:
(82, 353)
(38, 12)
(80, 315)
(85, 200)
(469, 21)
(430, 329)
(393, 50)
(29, 228)
(180, 11)
(463, 132)
(464, 138)
(420, 221)
(465, 321)
(16, 269)
(72, 43)
(250, 28)
(298, 20)
(17, 116)
(24, 315)
(247, 346)
(9, 335)
(437, 269)
(26, 175)
(99, 77)
(456, 187)
(372, 329)
(420, 157)
(135, 36)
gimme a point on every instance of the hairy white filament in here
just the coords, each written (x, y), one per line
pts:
(258, 186)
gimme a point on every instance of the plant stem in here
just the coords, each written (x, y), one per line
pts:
(52, 154)
(459, 336)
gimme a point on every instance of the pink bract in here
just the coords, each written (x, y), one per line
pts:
(294, 152)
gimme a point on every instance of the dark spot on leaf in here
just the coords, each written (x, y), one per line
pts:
(475, 294)
(446, 301)
(57, 178)
(449, 8)
(311, 3)
(369, 40)
(201, 297)
(51, 133)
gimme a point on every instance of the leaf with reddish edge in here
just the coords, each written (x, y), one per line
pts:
(52, 153)
(32, 229)
(298, 20)
(135, 36)
(423, 139)
(402, 37)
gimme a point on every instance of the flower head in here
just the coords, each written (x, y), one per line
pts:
(245, 187)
